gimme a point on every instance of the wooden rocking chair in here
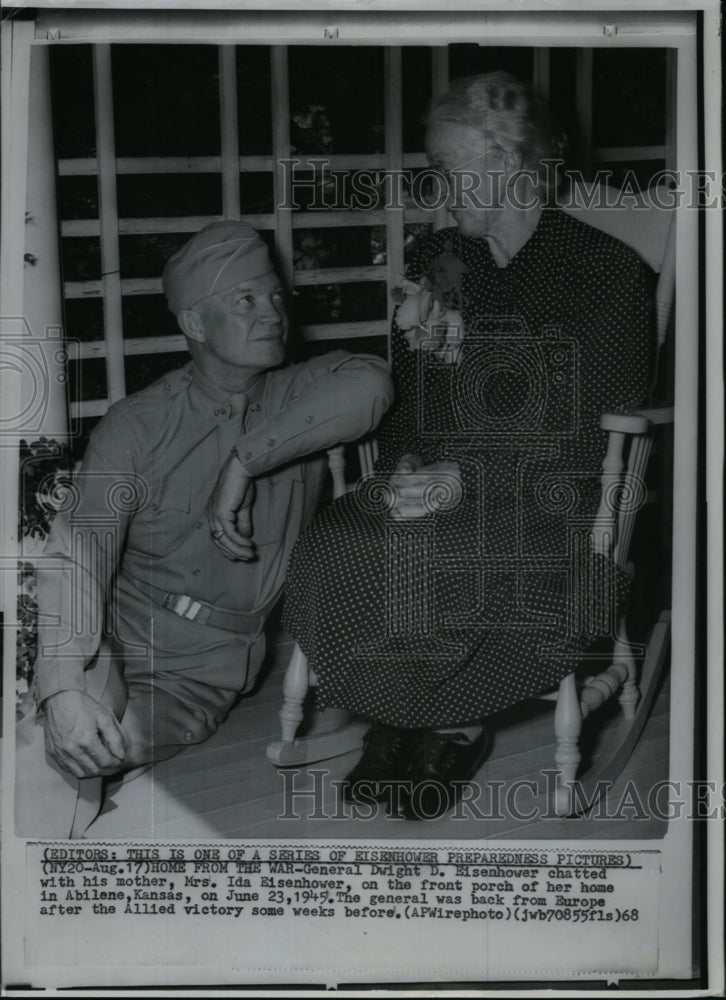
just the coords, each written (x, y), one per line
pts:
(648, 229)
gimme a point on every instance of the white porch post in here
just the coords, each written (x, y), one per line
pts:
(42, 299)
(15, 43)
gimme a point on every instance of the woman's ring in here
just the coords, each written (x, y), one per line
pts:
(217, 534)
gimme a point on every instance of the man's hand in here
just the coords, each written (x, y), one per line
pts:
(423, 489)
(230, 511)
(82, 736)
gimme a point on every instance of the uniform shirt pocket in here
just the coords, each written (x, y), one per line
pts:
(271, 509)
(164, 522)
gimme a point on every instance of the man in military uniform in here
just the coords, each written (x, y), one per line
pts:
(143, 544)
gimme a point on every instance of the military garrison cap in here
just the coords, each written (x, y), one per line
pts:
(220, 256)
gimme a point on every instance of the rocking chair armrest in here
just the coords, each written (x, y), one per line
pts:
(638, 421)
(625, 423)
(657, 415)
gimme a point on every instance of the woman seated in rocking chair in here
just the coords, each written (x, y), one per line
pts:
(459, 579)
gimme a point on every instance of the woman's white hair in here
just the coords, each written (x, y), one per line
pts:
(504, 110)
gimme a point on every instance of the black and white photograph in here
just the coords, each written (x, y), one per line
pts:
(361, 438)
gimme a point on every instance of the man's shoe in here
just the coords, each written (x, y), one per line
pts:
(385, 759)
(441, 764)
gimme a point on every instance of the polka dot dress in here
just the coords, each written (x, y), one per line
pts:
(444, 619)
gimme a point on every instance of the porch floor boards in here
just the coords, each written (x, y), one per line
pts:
(227, 788)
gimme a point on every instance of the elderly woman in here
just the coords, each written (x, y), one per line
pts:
(458, 580)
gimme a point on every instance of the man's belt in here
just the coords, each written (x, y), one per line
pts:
(195, 610)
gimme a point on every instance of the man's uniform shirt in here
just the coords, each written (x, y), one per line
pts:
(137, 530)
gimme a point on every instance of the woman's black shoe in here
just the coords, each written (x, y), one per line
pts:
(385, 760)
(440, 766)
